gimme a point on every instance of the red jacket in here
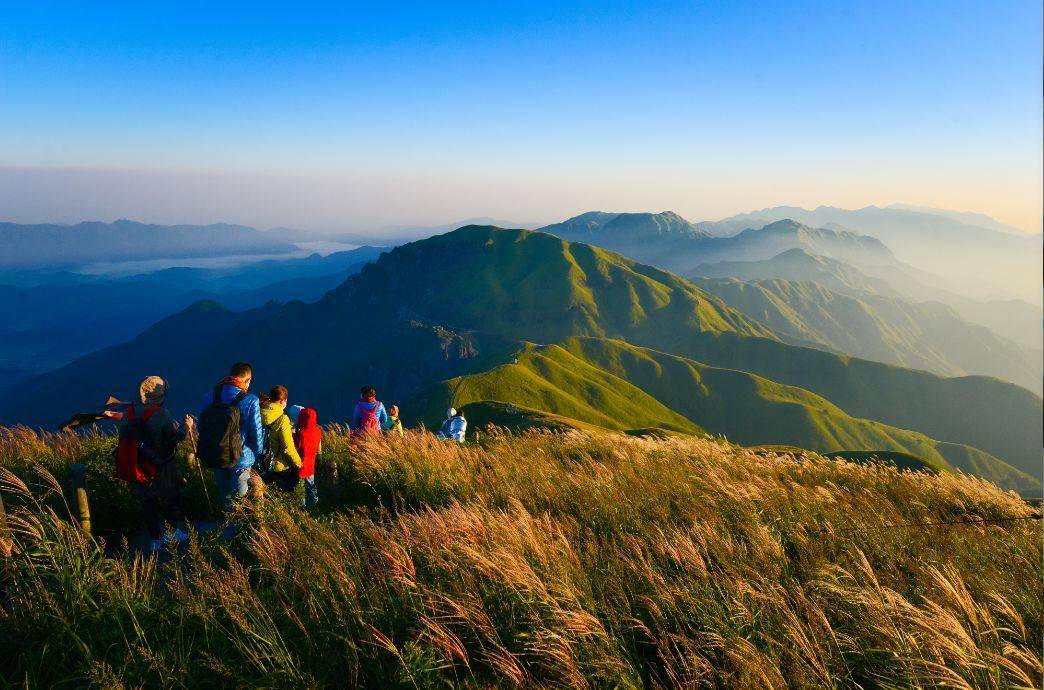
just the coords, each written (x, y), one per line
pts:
(307, 440)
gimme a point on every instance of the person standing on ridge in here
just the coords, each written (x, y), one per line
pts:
(308, 439)
(284, 463)
(230, 433)
(370, 416)
(156, 436)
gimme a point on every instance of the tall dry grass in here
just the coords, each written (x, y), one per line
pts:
(535, 560)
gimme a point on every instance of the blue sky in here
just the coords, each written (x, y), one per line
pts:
(333, 115)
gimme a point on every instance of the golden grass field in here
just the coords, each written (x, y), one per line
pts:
(534, 560)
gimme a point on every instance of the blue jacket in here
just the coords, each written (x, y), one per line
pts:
(382, 414)
(249, 423)
(453, 428)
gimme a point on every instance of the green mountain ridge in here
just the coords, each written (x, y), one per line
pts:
(618, 386)
(421, 312)
(799, 264)
(546, 378)
(928, 335)
(995, 416)
(452, 305)
(1014, 320)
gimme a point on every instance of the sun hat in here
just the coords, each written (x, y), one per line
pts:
(152, 390)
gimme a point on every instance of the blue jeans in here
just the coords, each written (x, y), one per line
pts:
(232, 484)
(311, 492)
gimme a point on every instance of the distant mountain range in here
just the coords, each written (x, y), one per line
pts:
(927, 335)
(839, 260)
(979, 220)
(799, 264)
(668, 240)
(898, 223)
(47, 325)
(516, 317)
(52, 246)
(1014, 320)
(989, 258)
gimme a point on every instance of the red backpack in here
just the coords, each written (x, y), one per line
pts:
(134, 458)
(368, 422)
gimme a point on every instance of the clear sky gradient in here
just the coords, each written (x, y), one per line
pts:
(332, 116)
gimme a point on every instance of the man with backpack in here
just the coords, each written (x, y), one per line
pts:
(230, 433)
(145, 459)
(454, 426)
(370, 416)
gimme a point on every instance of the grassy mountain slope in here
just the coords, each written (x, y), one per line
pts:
(752, 410)
(997, 417)
(614, 385)
(902, 461)
(548, 378)
(927, 336)
(799, 264)
(1012, 319)
(420, 314)
(1017, 320)
(530, 285)
(534, 560)
(431, 310)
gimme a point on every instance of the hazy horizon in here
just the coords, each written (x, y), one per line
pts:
(358, 119)
(109, 195)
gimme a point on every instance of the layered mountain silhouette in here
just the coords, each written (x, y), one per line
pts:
(668, 240)
(51, 245)
(926, 335)
(975, 251)
(47, 325)
(1014, 320)
(596, 336)
(799, 264)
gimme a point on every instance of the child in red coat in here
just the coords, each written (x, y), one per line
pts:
(308, 440)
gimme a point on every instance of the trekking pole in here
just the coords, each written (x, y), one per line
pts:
(78, 474)
(194, 459)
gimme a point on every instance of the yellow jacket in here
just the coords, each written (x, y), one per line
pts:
(280, 437)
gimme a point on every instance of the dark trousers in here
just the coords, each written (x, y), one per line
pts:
(161, 499)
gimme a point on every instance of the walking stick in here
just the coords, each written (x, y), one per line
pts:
(193, 459)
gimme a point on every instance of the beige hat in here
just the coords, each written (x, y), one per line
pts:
(152, 390)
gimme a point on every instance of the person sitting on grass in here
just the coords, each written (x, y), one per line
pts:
(454, 427)
(284, 462)
(394, 425)
(308, 440)
(370, 416)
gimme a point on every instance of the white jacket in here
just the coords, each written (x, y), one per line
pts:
(453, 429)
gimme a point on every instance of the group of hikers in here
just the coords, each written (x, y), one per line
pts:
(239, 435)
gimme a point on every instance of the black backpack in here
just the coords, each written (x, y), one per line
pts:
(220, 443)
